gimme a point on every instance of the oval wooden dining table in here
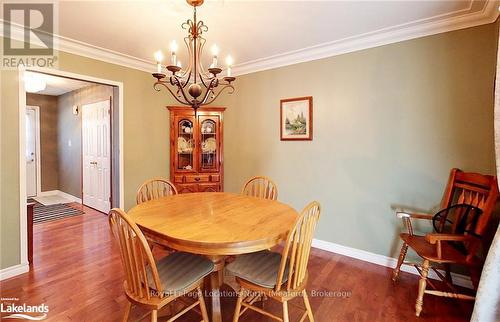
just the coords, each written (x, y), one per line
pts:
(215, 224)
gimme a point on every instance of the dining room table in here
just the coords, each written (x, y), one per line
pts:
(216, 225)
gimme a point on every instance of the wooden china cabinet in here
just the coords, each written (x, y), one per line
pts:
(196, 141)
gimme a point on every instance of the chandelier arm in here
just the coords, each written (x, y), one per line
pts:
(155, 86)
(203, 82)
(178, 83)
(198, 52)
(187, 71)
(187, 79)
(220, 92)
(211, 86)
(202, 72)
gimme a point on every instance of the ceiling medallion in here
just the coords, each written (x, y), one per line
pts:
(203, 87)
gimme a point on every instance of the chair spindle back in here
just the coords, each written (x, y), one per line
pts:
(473, 189)
(260, 187)
(136, 257)
(154, 189)
(298, 248)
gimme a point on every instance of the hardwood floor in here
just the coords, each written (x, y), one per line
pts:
(78, 274)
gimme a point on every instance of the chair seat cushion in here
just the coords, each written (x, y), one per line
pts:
(424, 249)
(260, 268)
(179, 270)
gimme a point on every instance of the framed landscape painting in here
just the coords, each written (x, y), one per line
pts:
(296, 118)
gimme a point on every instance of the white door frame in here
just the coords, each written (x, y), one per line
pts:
(23, 236)
(38, 152)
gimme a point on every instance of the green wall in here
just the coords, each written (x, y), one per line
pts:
(389, 123)
(146, 135)
(9, 166)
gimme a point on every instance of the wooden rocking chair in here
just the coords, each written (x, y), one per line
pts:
(467, 205)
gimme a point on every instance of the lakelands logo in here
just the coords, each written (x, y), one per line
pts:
(23, 311)
(28, 35)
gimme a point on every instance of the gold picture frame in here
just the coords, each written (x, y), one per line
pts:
(296, 119)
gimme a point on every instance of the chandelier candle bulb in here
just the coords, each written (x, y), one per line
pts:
(173, 49)
(179, 64)
(159, 58)
(229, 62)
(215, 53)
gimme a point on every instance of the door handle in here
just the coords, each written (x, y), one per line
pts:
(197, 179)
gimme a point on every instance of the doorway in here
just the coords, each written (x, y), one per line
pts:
(72, 128)
(117, 173)
(68, 131)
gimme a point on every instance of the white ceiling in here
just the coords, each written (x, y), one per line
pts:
(58, 85)
(258, 34)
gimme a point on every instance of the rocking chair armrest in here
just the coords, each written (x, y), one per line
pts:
(433, 238)
(406, 216)
(416, 215)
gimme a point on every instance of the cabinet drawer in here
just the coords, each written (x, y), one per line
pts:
(199, 178)
(186, 188)
(208, 187)
(214, 178)
(178, 179)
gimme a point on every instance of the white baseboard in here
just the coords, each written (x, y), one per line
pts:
(62, 194)
(14, 271)
(458, 279)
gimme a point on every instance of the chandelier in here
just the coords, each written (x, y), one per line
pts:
(203, 86)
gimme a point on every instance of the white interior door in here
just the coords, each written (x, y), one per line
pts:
(96, 159)
(31, 152)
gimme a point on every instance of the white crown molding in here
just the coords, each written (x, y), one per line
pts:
(80, 48)
(458, 279)
(83, 49)
(460, 19)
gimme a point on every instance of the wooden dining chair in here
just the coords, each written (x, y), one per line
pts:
(466, 208)
(154, 189)
(260, 187)
(154, 285)
(281, 277)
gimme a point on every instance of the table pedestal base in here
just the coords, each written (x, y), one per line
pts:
(216, 281)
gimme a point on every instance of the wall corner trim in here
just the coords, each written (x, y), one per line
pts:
(458, 279)
(14, 271)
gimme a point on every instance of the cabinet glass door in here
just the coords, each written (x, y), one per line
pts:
(209, 143)
(185, 145)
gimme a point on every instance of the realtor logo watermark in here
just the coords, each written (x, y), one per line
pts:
(11, 310)
(28, 35)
